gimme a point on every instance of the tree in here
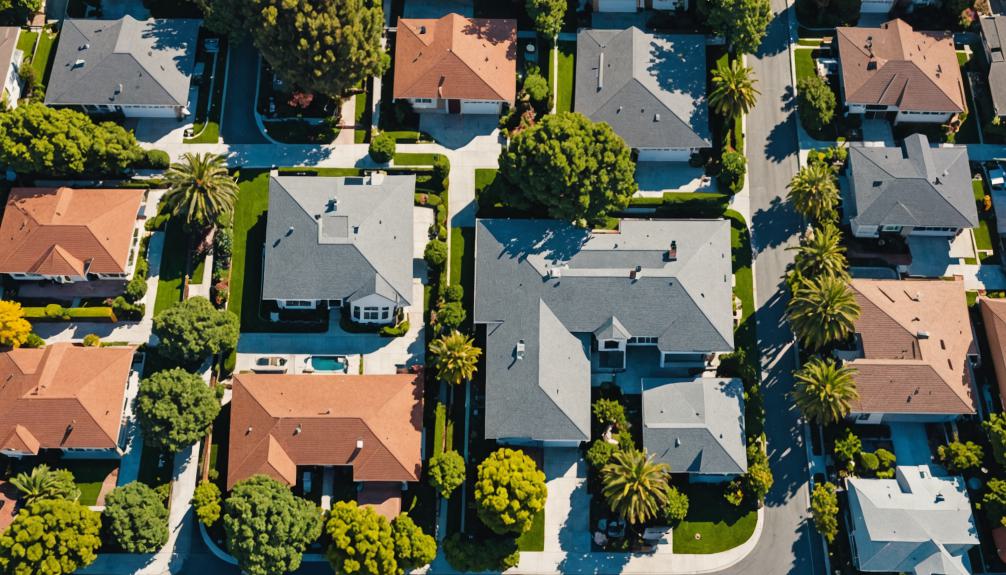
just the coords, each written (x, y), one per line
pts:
(575, 169)
(268, 527)
(455, 357)
(382, 148)
(958, 456)
(450, 316)
(758, 480)
(14, 329)
(600, 453)
(609, 412)
(193, 330)
(676, 508)
(994, 502)
(547, 15)
(536, 90)
(50, 537)
(848, 448)
(742, 22)
(814, 193)
(733, 168)
(824, 506)
(995, 427)
(206, 500)
(37, 139)
(20, 10)
(446, 472)
(734, 91)
(816, 103)
(200, 190)
(821, 252)
(467, 553)
(361, 540)
(435, 253)
(413, 547)
(822, 311)
(824, 390)
(510, 491)
(635, 486)
(45, 483)
(137, 518)
(175, 408)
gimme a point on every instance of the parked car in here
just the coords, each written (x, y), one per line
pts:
(270, 364)
(997, 177)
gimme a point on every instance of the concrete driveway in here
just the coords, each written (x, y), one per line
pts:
(655, 178)
(438, 8)
(457, 130)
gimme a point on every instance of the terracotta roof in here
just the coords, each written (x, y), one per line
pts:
(56, 231)
(994, 317)
(384, 498)
(63, 396)
(896, 66)
(456, 58)
(280, 421)
(916, 337)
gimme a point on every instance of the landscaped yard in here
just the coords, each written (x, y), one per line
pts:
(463, 267)
(44, 53)
(207, 124)
(534, 538)
(89, 474)
(173, 262)
(721, 525)
(564, 97)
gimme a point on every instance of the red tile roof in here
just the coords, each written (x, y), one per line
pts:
(994, 317)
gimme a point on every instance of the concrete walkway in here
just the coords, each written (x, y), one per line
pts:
(990, 277)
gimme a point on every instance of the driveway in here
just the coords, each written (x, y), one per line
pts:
(438, 8)
(655, 178)
(457, 130)
(238, 125)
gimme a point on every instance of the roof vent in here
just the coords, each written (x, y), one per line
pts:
(84, 46)
(422, 29)
(118, 89)
(359, 443)
(520, 349)
(333, 205)
(656, 117)
(672, 254)
(297, 429)
(677, 442)
(289, 231)
(78, 63)
(922, 334)
(940, 498)
(249, 430)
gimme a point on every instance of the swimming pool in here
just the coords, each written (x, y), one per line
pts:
(329, 363)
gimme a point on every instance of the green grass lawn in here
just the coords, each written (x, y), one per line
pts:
(484, 177)
(721, 525)
(44, 53)
(534, 538)
(197, 274)
(208, 135)
(361, 118)
(26, 42)
(173, 260)
(463, 267)
(88, 475)
(812, 42)
(404, 159)
(804, 64)
(983, 236)
(564, 97)
(249, 226)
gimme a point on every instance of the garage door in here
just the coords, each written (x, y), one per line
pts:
(664, 155)
(476, 107)
(616, 6)
(875, 6)
(666, 4)
(148, 112)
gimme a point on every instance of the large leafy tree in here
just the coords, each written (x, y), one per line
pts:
(50, 537)
(824, 506)
(200, 190)
(455, 357)
(816, 102)
(192, 330)
(446, 472)
(137, 518)
(635, 486)
(17, 11)
(734, 91)
(823, 310)
(814, 192)
(960, 456)
(361, 540)
(206, 501)
(824, 390)
(995, 427)
(14, 329)
(268, 527)
(37, 139)
(821, 252)
(547, 15)
(742, 22)
(413, 547)
(577, 170)
(510, 491)
(175, 408)
(994, 501)
(45, 483)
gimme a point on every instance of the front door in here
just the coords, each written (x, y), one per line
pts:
(454, 106)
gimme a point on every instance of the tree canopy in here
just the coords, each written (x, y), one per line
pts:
(575, 169)
(50, 537)
(14, 329)
(822, 311)
(413, 547)
(137, 518)
(45, 483)
(824, 390)
(455, 357)
(547, 15)
(995, 427)
(268, 527)
(201, 191)
(206, 501)
(813, 191)
(635, 486)
(175, 408)
(816, 102)
(510, 491)
(960, 456)
(824, 506)
(446, 472)
(742, 22)
(734, 91)
(361, 540)
(193, 330)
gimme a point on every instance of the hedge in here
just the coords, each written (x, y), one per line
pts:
(395, 331)
(97, 314)
(685, 205)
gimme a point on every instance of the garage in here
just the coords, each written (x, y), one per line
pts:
(149, 111)
(480, 107)
(664, 154)
(616, 5)
(668, 4)
(875, 7)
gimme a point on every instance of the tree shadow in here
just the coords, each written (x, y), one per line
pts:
(774, 226)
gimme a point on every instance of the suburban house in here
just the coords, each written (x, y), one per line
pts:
(914, 351)
(139, 68)
(634, 5)
(917, 523)
(370, 424)
(64, 396)
(559, 309)
(10, 66)
(340, 243)
(994, 317)
(696, 425)
(649, 87)
(897, 73)
(69, 235)
(994, 40)
(455, 64)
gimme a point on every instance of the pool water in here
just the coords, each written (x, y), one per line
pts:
(328, 363)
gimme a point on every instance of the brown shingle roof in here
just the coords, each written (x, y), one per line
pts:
(916, 338)
(456, 58)
(994, 318)
(63, 396)
(896, 66)
(281, 421)
(55, 231)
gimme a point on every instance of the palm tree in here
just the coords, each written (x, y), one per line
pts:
(635, 486)
(813, 192)
(733, 89)
(824, 390)
(455, 357)
(41, 483)
(823, 311)
(821, 252)
(201, 189)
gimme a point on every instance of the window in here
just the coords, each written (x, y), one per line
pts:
(642, 340)
(371, 313)
(299, 303)
(423, 100)
(890, 228)
(385, 313)
(356, 313)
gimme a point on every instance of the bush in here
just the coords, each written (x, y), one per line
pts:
(92, 340)
(128, 311)
(450, 315)
(816, 103)
(55, 312)
(395, 330)
(609, 412)
(886, 461)
(734, 492)
(157, 159)
(454, 293)
(441, 167)
(600, 452)
(206, 501)
(536, 89)
(136, 288)
(33, 341)
(676, 508)
(435, 254)
(468, 554)
(824, 505)
(136, 517)
(510, 491)
(869, 461)
(995, 427)
(848, 448)
(446, 472)
(223, 244)
(734, 167)
(382, 148)
(957, 456)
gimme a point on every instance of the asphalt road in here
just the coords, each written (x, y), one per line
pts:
(238, 123)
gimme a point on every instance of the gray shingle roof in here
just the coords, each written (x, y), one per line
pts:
(359, 244)
(695, 425)
(551, 286)
(994, 36)
(914, 185)
(124, 62)
(651, 88)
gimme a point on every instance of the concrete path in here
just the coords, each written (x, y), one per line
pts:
(989, 277)
(347, 133)
(129, 464)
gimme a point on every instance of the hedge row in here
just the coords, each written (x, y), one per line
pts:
(685, 205)
(57, 313)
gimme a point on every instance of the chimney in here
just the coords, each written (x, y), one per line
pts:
(422, 29)
(520, 349)
(359, 444)
(672, 254)
(297, 430)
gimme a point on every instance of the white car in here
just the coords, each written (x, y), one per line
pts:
(997, 178)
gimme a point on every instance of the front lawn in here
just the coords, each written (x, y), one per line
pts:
(483, 178)
(534, 538)
(44, 54)
(88, 475)
(26, 42)
(463, 267)
(173, 263)
(720, 525)
(564, 97)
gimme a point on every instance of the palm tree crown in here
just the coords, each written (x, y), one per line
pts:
(821, 252)
(733, 89)
(44, 483)
(823, 311)
(824, 390)
(813, 192)
(635, 486)
(200, 189)
(455, 357)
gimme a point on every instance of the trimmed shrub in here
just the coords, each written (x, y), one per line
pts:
(128, 311)
(435, 254)
(734, 167)
(676, 508)
(441, 167)
(454, 293)
(223, 244)
(869, 461)
(600, 453)
(536, 88)
(136, 289)
(466, 553)
(156, 160)
(815, 103)
(56, 312)
(450, 315)
(886, 461)
(609, 412)
(92, 340)
(34, 341)
(395, 330)
(382, 148)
